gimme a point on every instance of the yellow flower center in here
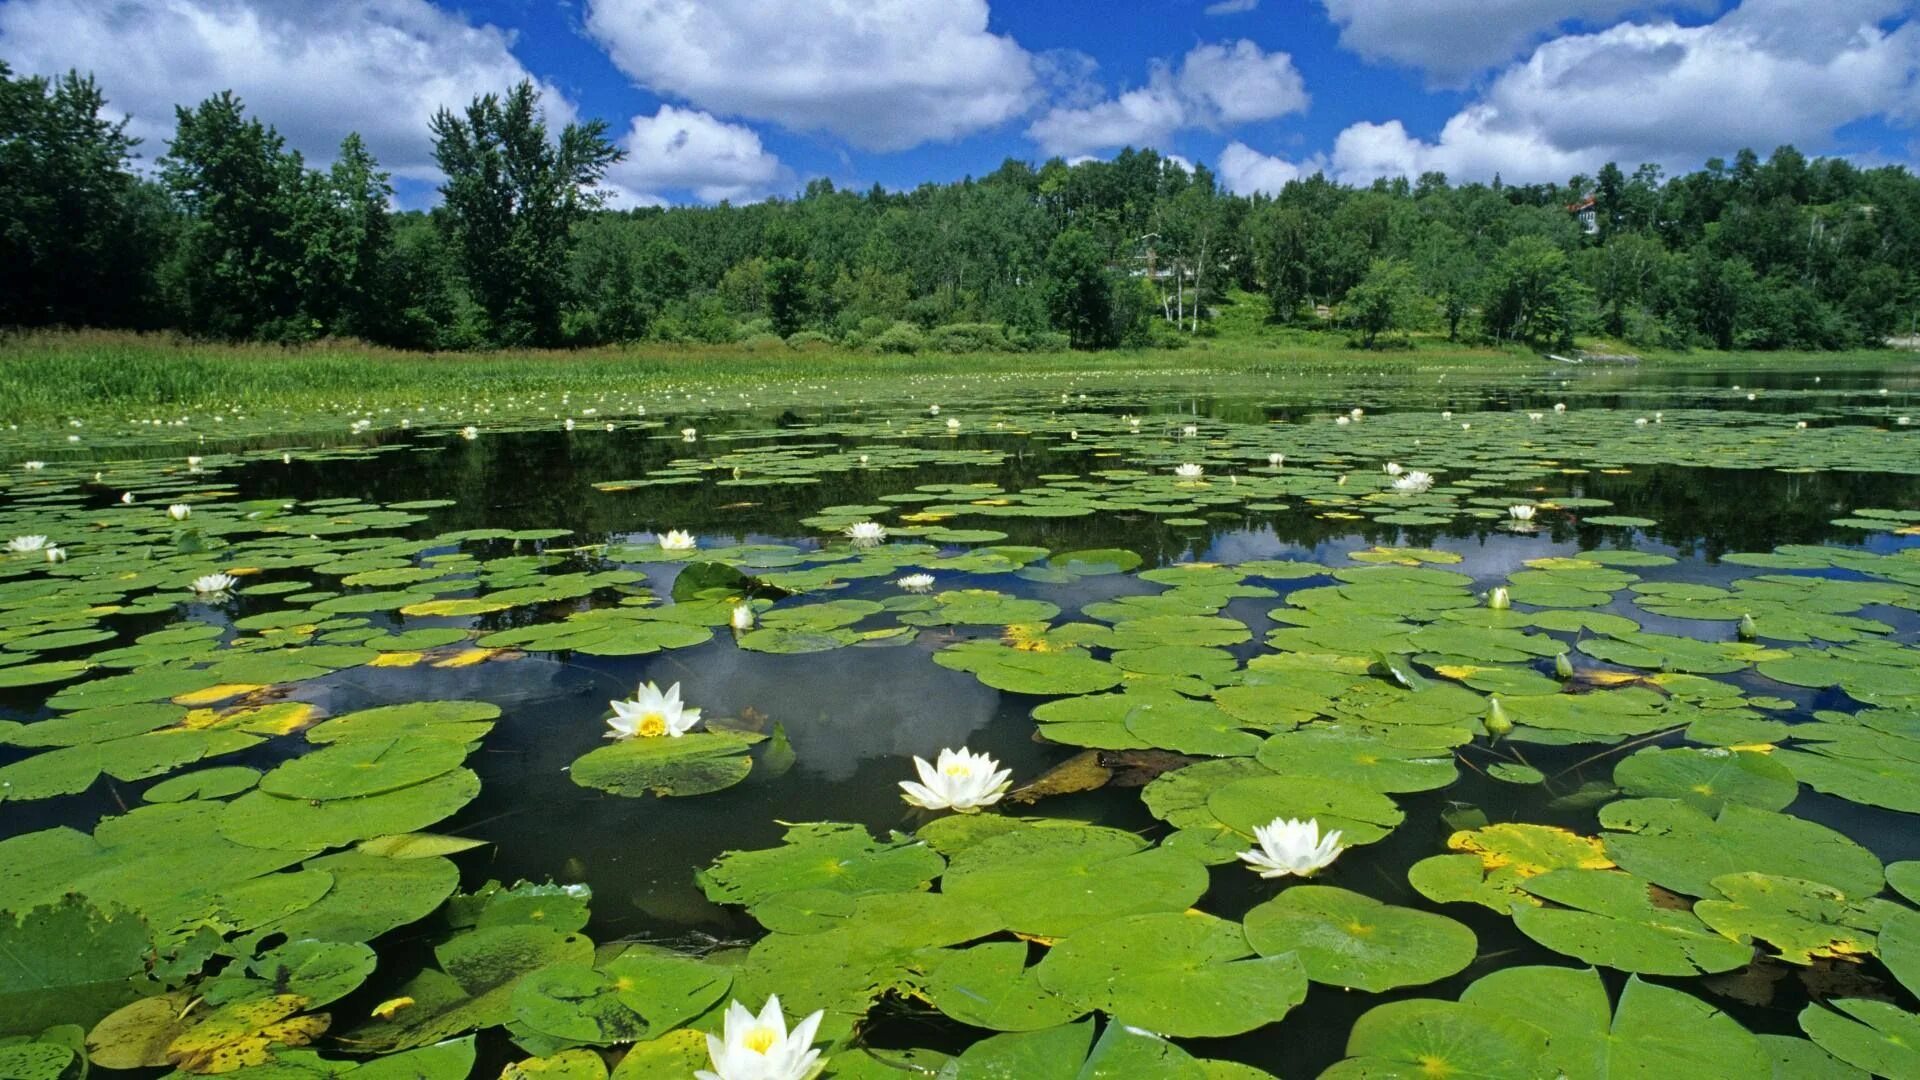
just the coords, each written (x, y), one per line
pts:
(652, 725)
(760, 1040)
(958, 770)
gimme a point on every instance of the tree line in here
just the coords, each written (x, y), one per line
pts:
(232, 235)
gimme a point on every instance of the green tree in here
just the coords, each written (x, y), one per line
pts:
(1079, 292)
(1532, 294)
(512, 197)
(247, 200)
(1383, 301)
(75, 244)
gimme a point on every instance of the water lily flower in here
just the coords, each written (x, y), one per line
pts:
(1288, 846)
(1903, 421)
(1276, 460)
(677, 540)
(56, 555)
(1536, 417)
(1563, 666)
(652, 714)
(1412, 483)
(958, 780)
(1356, 413)
(1190, 430)
(688, 434)
(179, 511)
(126, 498)
(1447, 415)
(568, 425)
(916, 583)
(1747, 629)
(1342, 421)
(1522, 514)
(1189, 471)
(1392, 468)
(1465, 426)
(469, 432)
(742, 617)
(1640, 422)
(933, 410)
(21, 545)
(1560, 407)
(953, 423)
(1496, 720)
(33, 466)
(193, 462)
(1799, 425)
(761, 1048)
(213, 585)
(1498, 600)
(866, 532)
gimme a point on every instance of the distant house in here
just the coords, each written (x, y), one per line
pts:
(1587, 214)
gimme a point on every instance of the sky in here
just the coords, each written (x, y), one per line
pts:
(745, 99)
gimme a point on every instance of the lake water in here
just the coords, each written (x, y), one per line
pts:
(1369, 601)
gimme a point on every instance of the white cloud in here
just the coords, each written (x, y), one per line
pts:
(1215, 86)
(1769, 72)
(316, 69)
(1244, 170)
(881, 74)
(1232, 7)
(687, 150)
(1451, 39)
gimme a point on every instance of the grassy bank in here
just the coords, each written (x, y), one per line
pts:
(46, 376)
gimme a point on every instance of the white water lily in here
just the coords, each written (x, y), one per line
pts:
(916, 582)
(469, 432)
(933, 410)
(1342, 421)
(1903, 421)
(1356, 413)
(760, 1047)
(33, 466)
(742, 617)
(213, 585)
(866, 532)
(1560, 407)
(1292, 847)
(193, 462)
(652, 714)
(21, 545)
(1190, 430)
(568, 424)
(1522, 513)
(126, 498)
(56, 555)
(1189, 471)
(957, 780)
(677, 540)
(179, 511)
(1392, 468)
(1799, 425)
(953, 423)
(1447, 415)
(1413, 482)
(1276, 459)
(1498, 599)
(1536, 417)
(688, 434)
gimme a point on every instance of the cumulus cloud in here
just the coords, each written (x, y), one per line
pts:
(685, 150)
(881, 74)
(1451, 39)
(1766, 73)
(316, 70)
(1245, 171)
(1215, 86)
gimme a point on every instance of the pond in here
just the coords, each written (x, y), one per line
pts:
(1607, 679)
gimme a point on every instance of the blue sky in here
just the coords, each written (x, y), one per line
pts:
(742, 99)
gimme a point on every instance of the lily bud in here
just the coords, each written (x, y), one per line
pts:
(1496, 720)
(1497, 600)
(1562, 667)
(1748, 630)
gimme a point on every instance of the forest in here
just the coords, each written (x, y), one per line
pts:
(226, 233)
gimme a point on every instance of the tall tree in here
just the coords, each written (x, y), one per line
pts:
(1079, 293)
(512, 198)
(75, 245)
(249, 203)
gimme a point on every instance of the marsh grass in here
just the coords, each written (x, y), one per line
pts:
(50, 374)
